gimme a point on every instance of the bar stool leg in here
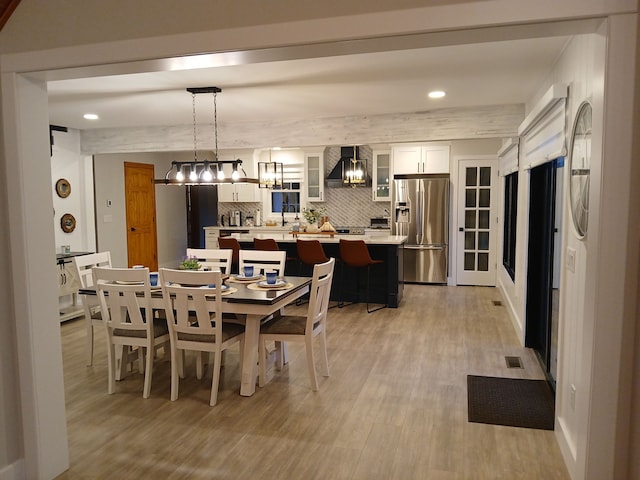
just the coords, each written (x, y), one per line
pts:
(368, 293)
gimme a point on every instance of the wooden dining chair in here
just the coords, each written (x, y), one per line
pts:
(294, 328)
(193, 302)
(263, 260)
(125, 302)
(90, 303)
(212, 259)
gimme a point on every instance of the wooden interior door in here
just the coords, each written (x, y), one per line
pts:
(140, 200)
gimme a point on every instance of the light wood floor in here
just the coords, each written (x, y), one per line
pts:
(394, 407)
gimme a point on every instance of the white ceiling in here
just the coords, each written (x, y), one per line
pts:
(491, 73)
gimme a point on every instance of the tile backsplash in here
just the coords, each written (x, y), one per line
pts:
(345, 206)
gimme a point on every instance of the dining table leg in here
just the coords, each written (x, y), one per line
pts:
(250, 355)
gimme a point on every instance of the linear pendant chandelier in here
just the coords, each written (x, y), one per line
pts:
(205, 172)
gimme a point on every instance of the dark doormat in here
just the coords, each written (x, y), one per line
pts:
(513, 402)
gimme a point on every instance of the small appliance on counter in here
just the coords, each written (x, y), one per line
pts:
(235, 218)
(379, 222)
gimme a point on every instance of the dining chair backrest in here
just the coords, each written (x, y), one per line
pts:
(263, 260)
(319, 294)
(193, 304)
(125, 298)
(85, 263)
(212, 259)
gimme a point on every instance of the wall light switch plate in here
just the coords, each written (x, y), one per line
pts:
(571, 260)
(108, 203)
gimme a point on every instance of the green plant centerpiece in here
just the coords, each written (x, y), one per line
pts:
(190, 263)
(312, 215)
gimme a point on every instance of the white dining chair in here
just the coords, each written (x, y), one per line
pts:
(296, 328)
(90, 303)
(263, 260)
(213, 259)
(193, 302)
(127, 315)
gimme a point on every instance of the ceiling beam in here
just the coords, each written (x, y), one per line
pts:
(494, 121)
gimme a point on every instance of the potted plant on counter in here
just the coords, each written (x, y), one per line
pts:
(312, 216)
(190, 263)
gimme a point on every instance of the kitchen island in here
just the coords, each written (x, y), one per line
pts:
(386, 279)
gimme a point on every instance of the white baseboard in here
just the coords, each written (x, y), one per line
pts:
(15, 471)
(513, 316)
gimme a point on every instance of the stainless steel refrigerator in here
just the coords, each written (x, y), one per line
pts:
(421, 212)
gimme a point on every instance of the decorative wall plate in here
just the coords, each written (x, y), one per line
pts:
(63, 188)
(580, 167)
(68, 223)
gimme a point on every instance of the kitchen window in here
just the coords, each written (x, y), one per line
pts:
(510, 216)
(286, 200)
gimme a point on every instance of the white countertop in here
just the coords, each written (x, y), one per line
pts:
(289, 238)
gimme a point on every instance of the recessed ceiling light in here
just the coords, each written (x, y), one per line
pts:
(90, 116)
(437, 94)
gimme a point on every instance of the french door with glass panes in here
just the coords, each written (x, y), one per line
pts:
(477, 222)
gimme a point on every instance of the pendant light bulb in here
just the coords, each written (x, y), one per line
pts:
(193, 176)
(206, 174)
(180, 175)
(220, 173)
(235, 175)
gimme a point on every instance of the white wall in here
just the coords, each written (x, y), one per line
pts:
(580, 429)
(67, 162)
(171, 218)
(11, 437)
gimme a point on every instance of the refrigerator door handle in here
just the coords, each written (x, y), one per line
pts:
(419, 213)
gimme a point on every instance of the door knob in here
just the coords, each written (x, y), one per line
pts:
(133, 229)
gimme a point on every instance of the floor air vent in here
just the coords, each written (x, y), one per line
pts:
(497, 303)
(513, 362)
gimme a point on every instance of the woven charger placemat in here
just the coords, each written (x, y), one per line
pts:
(229, 290)
(255, 286)
(233, 279)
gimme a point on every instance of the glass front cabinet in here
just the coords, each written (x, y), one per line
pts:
(314, 176)
(381, 175)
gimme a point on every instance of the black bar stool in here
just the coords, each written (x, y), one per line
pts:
(355, 254)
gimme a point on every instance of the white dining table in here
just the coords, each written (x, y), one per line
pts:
(253, 305)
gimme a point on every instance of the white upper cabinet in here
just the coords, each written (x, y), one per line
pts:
(239, 192)
(420, 159)
(381, 175)
(314, 176)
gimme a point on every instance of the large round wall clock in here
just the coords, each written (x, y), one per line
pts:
(579, 168)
